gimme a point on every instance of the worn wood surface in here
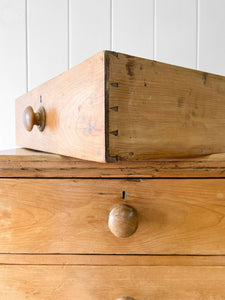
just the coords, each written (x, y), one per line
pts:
(49, 228)
(75, 114)
(182, 216)
(161, 110)
(123, 219)
(111, 260)
(27, 163)
(119, 107)
(111, 282)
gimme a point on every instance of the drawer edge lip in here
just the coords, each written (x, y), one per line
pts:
(122, 174)
(29, 163)
(111, 260)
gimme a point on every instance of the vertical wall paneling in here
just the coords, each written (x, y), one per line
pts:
(41, 38)
(89, 28)
(132, 27)
(47, 40)
(212, 36)
(197, 34)
(176, 32)
(13, 65)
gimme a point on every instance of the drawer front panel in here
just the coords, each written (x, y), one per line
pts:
(74, 113)
(175, 216)
(111, 282)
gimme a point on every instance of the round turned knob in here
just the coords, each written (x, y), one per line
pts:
(30, 118)
(125, 298)
(123, 220)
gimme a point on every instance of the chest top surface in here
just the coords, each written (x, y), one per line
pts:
(27, 163)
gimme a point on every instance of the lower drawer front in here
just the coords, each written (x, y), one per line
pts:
(111, 282)
(175, 216)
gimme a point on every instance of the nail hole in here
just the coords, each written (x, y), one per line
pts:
(116, 84)
(131, 154)
(124, 195)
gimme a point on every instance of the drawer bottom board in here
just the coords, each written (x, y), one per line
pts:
(110, 282)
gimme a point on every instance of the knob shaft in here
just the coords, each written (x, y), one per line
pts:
(30, 118)
(123, 220)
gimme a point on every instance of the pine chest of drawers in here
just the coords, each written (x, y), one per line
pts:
(72, 229)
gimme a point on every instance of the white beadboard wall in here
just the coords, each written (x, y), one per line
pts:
(41, 38)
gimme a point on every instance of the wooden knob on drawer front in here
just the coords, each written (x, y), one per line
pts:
(123, 221)
(30, 118)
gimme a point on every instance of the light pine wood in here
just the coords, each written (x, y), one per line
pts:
(123, 220)
(161, 110)
(56, 243)
(75, 114)
(118, 107)
(176, 216)
(108, 260)
(111, 282)
(27, 163)
(30, 118)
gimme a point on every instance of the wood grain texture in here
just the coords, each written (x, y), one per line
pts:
(119, 107)
(75, 116)
(111, 260)
(111, 282)
(27, 163)
(183, 216)
(123, 219)
(161, 110)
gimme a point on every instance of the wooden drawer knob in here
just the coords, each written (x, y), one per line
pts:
(123, 220)
(125, 298)
(30, 118)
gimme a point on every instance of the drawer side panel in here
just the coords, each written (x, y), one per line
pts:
(161, 110)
